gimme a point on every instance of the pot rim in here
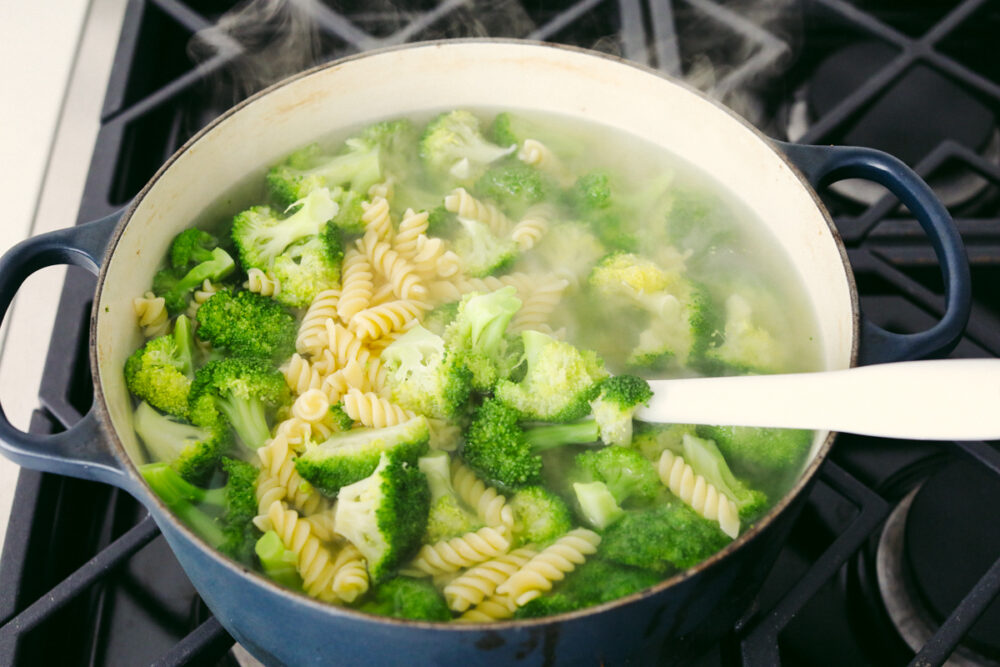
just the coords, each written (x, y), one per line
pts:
(139, 486)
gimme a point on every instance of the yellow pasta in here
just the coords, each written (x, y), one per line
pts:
(432, 259)
(314, 561)
(300, 376)
(344, 346)
(538, 304)
(395, 268)
(411, 227)
(312, 406)
(384, 190)
(550, 565)
(533, 225)
(496, 608)
(376, 218)
(151, 312)
(262, 283)
(696, 492)
(461, 552)
(310, 336)
(278, 472)
(380, 320)
(372, 410)
(367, 378)
(480, 582)
(351, 574)
(461, 203)
(537, 154)
(490, 506)
(357, 284)
(321, 523)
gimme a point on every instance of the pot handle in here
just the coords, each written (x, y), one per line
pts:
(80, 451)
(823, 165)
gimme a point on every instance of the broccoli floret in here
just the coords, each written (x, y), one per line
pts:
(191, 245)
(595, 582)
(679, 330)
(511, 128)
(441, 221)
(631, 478)
(705, 458)
(540, 516)
(620, 397)
(175, 286)
(261, 235)
(309, 169)
(652, 439)
(448, 515)
(423, 376)
(404, 597)
(662, 539)
(559, 382)
(767, 456)
(694, 222)
(348, 219)
(280, 564)
(597, 504)
(482, 252)
(476, 336)
(307, 268)
(350, 456)
(160, 371)
(629, 275)
(247, 324)
(616, 215)
(240, 390)
(193, 451)
(514, 187)
(233, 533)
(548, 605)
(505, 454)
(746, 346)
(453, 147)
(384, 515)
(570, 248)
(341, 420)
(438, 319)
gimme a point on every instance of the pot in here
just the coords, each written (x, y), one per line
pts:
(776, 181)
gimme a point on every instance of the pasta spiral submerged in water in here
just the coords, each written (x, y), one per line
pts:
(550, 565)
(461, 552)
(698, 493)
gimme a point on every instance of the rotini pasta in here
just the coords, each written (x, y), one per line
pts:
(537, 306)
(312, 406)
(315, 563)
(411, 227)
(432, 259)
(461, 552)
(151, 313)
(373, 410)
(696, 492)
(262, 283)
(277, 459)
(480, 582)
(537, 154)
(351, 578)
(550, 565)
(392, 266)
(490, 506)
(461, 203)
(300, 376)
(344, 346)
(310, 336)
(377, 219)
(530, 228)
(357, 284)
(496, 608)
(200, 296)
(377, 321)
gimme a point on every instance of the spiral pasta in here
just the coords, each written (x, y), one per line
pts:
(496, 608)
(538, 305)
(351, 575)
(262, 283)
(311, 406)
(367, 378)
(395, 268)
(151, 312)
(309, 339)
(460, 202)
(384, 189)
(373, 410)
(356, 284)
(480, 582)
(461, 552)
(432, 259)
(537, 154)
(321, 523)
(377, 321)
(300, 376)
(550, 565)
(490, 506)
(344, 346)
(411, 227)
(200, 296)
(278, 472)
(533, 225)
(376, 218)
(315, 563)
(696, 492)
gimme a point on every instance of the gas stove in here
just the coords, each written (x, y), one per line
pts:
(894, 560)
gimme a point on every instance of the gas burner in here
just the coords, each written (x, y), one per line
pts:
(906, 120)
(932, 551)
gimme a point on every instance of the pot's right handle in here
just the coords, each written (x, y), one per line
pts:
(80, 451)
(823, 165)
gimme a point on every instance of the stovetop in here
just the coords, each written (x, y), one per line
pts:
(894, 560)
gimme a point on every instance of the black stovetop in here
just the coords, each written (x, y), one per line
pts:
(895, 534)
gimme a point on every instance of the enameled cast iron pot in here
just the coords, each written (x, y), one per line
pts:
(774, 180)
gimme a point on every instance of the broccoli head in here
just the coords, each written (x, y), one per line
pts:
(384, 515)
(453, 148)
(559, 382)
(193, 451)
(595, 582)
(679, 330)
(620, 397)
(424, 377)
(631, 478)
(482, 253)
(175, 286)
(514, 187)
(405, 597)
(448, 516)
(571, 249)
(261, 234)
(540, 516)
(746, 347)
(476, 336)
(662, 539)
(160, 371)
(247, 325)
(549, 605)
(191, 246)
(349, 211)
(280, 564)
(310, 169)
(241, 391)
(308, 267)
(352, 455)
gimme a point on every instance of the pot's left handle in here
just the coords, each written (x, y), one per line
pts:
(80, 451)
(823, 165)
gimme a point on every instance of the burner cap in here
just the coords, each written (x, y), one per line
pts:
(952, 540)
(918, 112)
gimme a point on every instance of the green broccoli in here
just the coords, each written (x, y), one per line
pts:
(191, 245)
(595, 582)
(678, 332)
(384, 515)
(477, 338)
(549, 605)
(175, 286)
(746, 347)
(662, 539)
(597, 504)
(481, 251)
(308, 267)
(247, 325)
(261, 235)
(233, 533)
(652, 439)
(695, 222)
(613, 408)
(352, 455)
(161, 371)
(448, 516)
(631, 478)
(769, 457)
(512, 129)
(309, 170)
(422, 376)
(453, 148)
(540, 516)
(240, 390)
(349, 211)
(193, 451)
(438, 319)
(514, 187)
(441, 221)
(280, 564)
(616, 215)
(569, 248)
(341, 419)
(505, 454)
(405, 597)
(559, 382)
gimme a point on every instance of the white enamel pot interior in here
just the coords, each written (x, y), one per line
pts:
(468, 74)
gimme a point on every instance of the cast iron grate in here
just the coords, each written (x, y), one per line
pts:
(158, 96)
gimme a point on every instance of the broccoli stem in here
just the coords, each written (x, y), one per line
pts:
(278, 562)
(179, 496)
(541, 438)
(246, 415)
(163, 437)
(217, 268)
(184, 338)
